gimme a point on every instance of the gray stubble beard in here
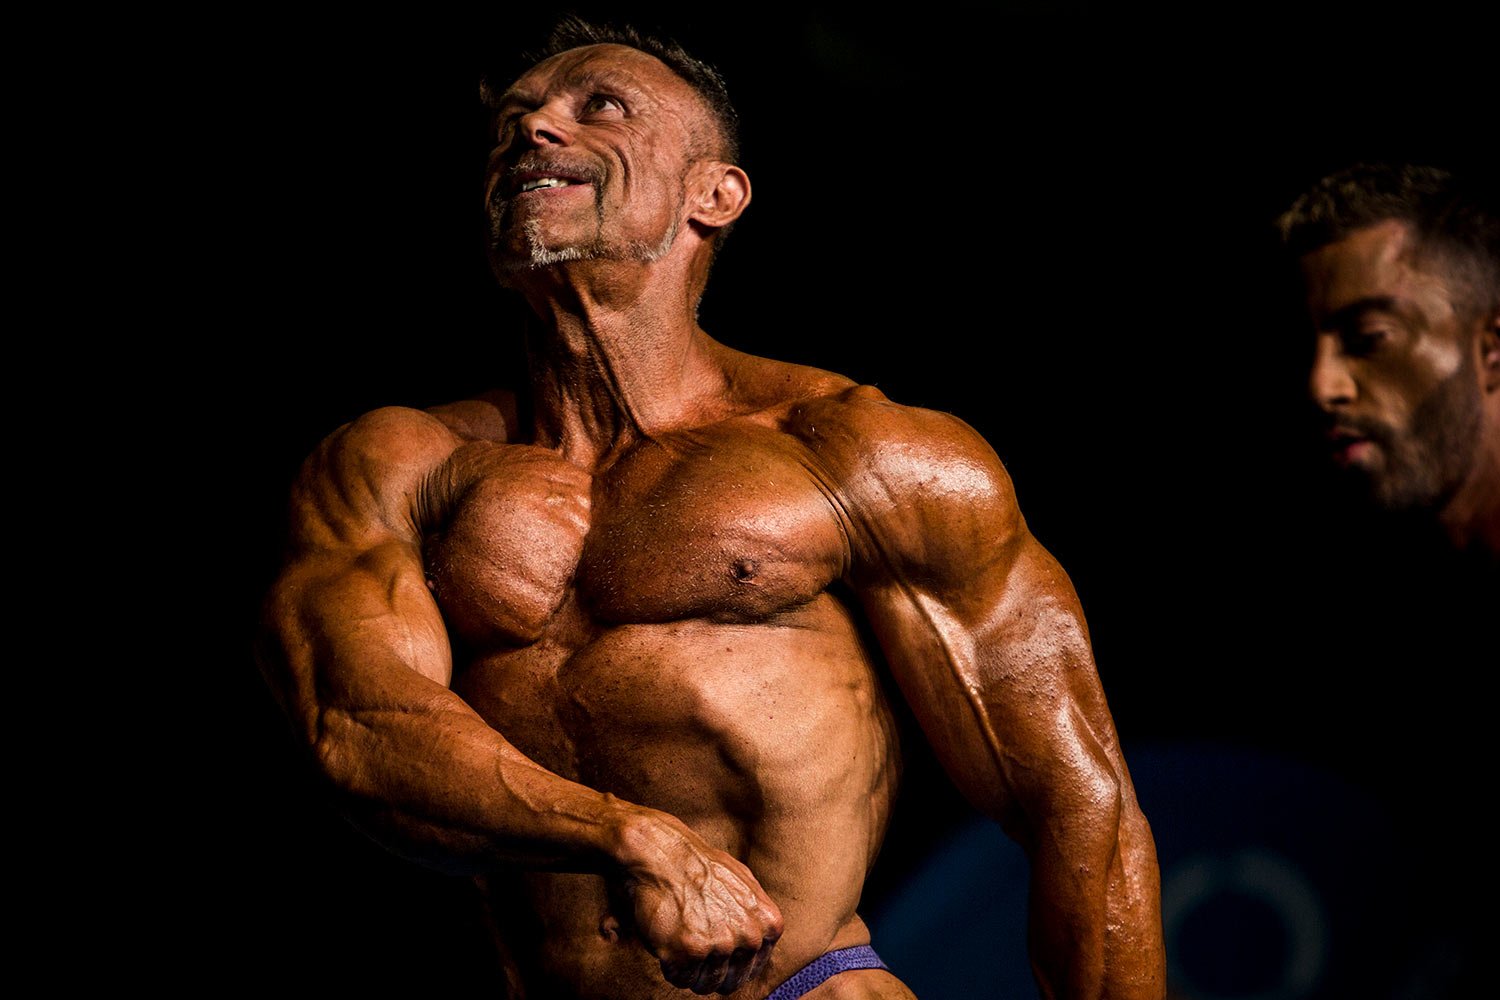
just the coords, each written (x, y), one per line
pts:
(538, 255)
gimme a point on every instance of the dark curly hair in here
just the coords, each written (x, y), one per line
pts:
(1451, 219)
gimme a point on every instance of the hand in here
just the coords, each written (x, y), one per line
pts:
(699, 911)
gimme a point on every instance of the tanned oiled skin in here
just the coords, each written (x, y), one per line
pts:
(611, 662)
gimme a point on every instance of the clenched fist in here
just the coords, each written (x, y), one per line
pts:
(698, 910)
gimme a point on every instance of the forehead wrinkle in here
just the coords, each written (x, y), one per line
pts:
(608, 66)
(580, 71)
(608, 80)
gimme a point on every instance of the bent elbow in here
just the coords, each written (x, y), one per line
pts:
(335, 756)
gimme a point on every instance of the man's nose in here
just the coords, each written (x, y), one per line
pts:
(1330, 383)
(545, 128)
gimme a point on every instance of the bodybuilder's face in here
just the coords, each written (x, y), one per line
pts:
(1395, 370)
(591, 160)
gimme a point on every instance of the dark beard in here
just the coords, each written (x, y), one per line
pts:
(1424, 468)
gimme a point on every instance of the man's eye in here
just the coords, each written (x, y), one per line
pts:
(1365, 340)
(599, 103)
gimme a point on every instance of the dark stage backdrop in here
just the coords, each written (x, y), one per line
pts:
(1047, 220)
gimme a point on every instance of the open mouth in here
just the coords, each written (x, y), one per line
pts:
(527, 177)
(539, 183)
(1348, 446)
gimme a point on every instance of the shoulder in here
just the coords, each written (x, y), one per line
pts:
(868, 440)
(489, 416)
(767, 388)
(367, 477)
(918, 485)
(394, 445)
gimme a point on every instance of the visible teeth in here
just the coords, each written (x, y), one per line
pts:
(544, 182)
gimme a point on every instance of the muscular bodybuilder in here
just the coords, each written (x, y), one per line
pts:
(626, 660)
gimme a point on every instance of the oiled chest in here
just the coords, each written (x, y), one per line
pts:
(732, 524)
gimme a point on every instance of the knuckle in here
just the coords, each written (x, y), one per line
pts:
(696, 944)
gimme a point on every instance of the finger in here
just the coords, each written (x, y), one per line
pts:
(761, 957)
(738, 969)
(770, 916)
(711, 973)
(679, 974)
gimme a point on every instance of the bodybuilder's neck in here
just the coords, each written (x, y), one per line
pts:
(607, 370)
(1472, 517)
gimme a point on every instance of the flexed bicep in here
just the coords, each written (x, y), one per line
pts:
(351, 604)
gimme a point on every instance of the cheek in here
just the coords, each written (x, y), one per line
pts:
(650, 204)
(1401, 384)
(1436, 359)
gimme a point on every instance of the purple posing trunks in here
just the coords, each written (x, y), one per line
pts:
(819, 970)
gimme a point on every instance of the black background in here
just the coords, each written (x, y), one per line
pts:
(1051, 221)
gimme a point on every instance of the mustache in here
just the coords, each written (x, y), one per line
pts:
(1364, 427)
(549, 163)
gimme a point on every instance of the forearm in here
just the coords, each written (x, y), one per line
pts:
(1071, 835)
(1095, 915)
(432, 782)
(1135, 956)
(360, 660)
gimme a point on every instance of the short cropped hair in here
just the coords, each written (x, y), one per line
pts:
(1451, 219)
(572, 32)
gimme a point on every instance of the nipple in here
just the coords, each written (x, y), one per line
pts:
(744, 570)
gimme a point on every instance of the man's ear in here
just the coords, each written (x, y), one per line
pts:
(1489, 352)
(720, 195)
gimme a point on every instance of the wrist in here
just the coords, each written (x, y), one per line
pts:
(641, 840)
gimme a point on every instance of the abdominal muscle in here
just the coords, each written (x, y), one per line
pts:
(773, 741)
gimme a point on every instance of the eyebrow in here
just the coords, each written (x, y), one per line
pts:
(1346, 315)
(584, 80)
(510, 96)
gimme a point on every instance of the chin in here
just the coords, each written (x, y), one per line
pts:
(1372, 489)
(1399, 494)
